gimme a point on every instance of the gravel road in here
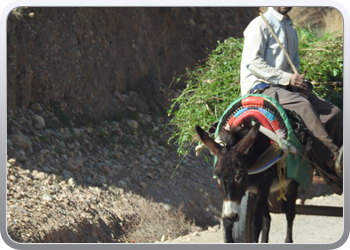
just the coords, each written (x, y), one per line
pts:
(304, 230)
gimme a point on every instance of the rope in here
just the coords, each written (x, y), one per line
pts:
(281, 171)
(332, 177)
(200, 147)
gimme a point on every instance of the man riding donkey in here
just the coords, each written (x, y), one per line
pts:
(265, 69)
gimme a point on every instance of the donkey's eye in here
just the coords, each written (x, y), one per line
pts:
(238, 177)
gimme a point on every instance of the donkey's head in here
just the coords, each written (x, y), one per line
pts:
(231, 165)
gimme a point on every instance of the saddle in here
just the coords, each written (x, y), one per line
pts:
(292, 139)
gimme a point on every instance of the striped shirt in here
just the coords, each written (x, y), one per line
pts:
(262, 59)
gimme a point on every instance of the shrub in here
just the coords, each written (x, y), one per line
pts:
(152, 221)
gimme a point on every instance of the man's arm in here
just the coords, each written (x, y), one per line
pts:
(255, 44)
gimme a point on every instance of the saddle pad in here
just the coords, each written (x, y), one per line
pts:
(273, 117)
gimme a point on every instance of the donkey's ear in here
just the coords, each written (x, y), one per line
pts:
(208, 142)
(244, 145)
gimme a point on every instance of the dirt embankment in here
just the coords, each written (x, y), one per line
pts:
(86, 56)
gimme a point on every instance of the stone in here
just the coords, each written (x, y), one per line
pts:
(23, 158)
(89, 146)
(132, 124)
(38, 126)
(36, 107)
(149, 175)
(106, 169)
(149, 152)
(145, 118)
(71, 182)
(118, 154)
(39, 120)
(39, 176)
(47, 197)
(30, 150)
(192, 22)
(76, 132)
(108, 163)
(20, 141)
(98, 191)
(167, 207)
(60, 143)
(44, 152)
(79, 163)
(89, 130)
(21, 152)
(122, 183)
(12, 161)
(143, 185)
(18, 209)
(102, 179)
(145, 160)
(67, 173)
(154, 160)
(64, 156)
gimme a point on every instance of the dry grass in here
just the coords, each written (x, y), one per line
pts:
(152, 222)
(334, 21)
(322, 19)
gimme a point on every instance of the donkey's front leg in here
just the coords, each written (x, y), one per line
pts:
(261, 204)
(291, 195)
(266, 224)
(228, 225)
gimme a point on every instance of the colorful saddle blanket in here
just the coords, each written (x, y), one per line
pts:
(273, 117)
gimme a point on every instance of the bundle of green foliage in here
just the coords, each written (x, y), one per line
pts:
(321, 59)
(214, 85)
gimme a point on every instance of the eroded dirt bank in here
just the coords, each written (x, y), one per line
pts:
(86, 56)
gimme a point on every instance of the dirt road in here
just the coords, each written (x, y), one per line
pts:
(304, 230)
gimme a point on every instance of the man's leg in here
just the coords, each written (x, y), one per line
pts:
(323, 148)
(323, 144)
(331, 117)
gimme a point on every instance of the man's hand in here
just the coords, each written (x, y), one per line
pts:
(299, 85)
(298, 81)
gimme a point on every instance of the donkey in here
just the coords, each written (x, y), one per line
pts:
(244, 145)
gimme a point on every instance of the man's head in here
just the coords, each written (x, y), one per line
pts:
(282, 10)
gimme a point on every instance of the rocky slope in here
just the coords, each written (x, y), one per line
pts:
(70, 183)
(110, 181)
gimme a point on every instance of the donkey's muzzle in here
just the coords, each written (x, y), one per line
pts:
(231, 210)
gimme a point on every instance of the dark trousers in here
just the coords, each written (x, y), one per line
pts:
(322, 118)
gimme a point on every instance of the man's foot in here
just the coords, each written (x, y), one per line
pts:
(336, 188)
(338, 165)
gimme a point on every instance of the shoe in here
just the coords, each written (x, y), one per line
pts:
(338, 165)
